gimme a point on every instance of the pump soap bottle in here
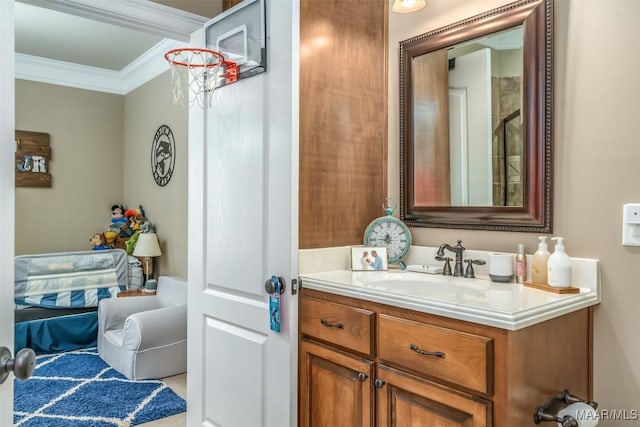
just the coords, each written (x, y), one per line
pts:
(521, 264)
(539, 262)
(559, 266)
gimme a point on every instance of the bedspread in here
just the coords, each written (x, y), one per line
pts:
(69, 279)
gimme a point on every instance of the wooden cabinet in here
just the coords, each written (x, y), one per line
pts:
(343, 119)
(336, 388)
(404, 400)
(369, 364)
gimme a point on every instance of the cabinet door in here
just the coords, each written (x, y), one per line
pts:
(335, 388)
(408, 401)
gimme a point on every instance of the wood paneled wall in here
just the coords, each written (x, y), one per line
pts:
(343, 119)
(432, 186)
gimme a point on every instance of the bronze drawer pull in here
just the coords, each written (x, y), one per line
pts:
(332, 325)
(426, 353)
(362, 376)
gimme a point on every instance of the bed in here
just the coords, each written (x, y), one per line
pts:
(57, 296)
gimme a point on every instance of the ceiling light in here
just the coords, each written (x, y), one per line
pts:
(406, 6)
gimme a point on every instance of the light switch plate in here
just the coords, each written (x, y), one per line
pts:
(631, 224)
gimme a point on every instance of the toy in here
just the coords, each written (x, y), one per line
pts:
(124, 228)
(137, 220)
(98, 242)
(131, 243)
(117, 214)
(110, 237)
(119, 223)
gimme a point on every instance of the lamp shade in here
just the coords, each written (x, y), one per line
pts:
(147, 245)
(406, 6)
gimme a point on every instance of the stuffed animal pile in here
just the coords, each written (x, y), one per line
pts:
(123, 231)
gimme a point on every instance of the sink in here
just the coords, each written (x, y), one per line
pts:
(423, 285)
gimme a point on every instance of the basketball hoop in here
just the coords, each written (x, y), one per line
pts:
(207, 70)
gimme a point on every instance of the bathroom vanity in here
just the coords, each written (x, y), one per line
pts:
(408, 349)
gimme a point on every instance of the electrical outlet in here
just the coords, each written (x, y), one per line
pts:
(631, 224)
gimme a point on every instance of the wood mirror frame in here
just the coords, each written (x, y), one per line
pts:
(536, 213)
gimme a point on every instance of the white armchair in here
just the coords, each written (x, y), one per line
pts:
(146, 337)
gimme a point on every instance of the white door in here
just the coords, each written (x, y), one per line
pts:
(7, 196)
(472, 72)
(243, 183)
(458, 146)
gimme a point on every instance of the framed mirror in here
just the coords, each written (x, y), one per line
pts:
(476, 122)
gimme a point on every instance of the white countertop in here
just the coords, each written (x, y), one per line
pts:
(503, 305)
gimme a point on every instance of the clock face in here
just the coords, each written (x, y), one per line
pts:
(390, 233)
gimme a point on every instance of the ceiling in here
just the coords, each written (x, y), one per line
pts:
(55, 35)
(78, 33)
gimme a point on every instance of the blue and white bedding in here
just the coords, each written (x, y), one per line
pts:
(69, 279)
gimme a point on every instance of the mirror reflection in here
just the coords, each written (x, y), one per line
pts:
(467, 126)
(476, 122)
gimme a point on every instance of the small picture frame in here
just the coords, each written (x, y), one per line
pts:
(364, 258)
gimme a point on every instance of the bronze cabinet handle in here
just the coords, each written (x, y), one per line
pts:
(379, 383)
(362, 376)
(331, 324)
(418, 350)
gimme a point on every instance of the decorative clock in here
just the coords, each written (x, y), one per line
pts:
(389, 232)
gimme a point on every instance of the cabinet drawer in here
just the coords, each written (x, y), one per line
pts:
(452, 356)
(342, 325)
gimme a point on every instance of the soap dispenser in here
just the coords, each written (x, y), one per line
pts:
(559, 266)
(539, 262)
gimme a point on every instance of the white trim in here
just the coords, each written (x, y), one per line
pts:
(141, 70)
(148, 65)
(7, 195)
(63, 73)
(142, 15)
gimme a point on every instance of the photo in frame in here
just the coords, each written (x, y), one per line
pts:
(364, 258)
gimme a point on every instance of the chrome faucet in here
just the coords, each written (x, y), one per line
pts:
(458, 250)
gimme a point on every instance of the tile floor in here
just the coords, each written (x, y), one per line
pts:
(178, 384)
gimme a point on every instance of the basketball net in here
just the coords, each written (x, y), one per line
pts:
(204, 67)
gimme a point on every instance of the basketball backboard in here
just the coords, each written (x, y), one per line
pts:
(240, 35)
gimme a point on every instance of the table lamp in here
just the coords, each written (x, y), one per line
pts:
(147, 247)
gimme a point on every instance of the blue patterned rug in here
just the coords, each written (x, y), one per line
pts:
(78, 389)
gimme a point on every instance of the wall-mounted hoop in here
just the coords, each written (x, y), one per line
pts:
(207, 70)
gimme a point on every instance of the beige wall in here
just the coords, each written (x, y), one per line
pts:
(101, 155)
(145, 109)
(596, 150)
(85, 130)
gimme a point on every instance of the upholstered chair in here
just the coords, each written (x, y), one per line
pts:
(146, 336)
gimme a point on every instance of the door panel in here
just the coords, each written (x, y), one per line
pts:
(7, 195)
(234, 356)
(408, 401)
(236, 216)
(473, 73)
(336, 388)
(243, 184)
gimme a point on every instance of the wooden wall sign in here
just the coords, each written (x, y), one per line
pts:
(32, 159)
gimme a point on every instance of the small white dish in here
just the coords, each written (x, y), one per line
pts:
(428, 269)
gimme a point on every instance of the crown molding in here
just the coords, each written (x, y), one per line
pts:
(43, 70)
(142, 15)
(146, 67)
